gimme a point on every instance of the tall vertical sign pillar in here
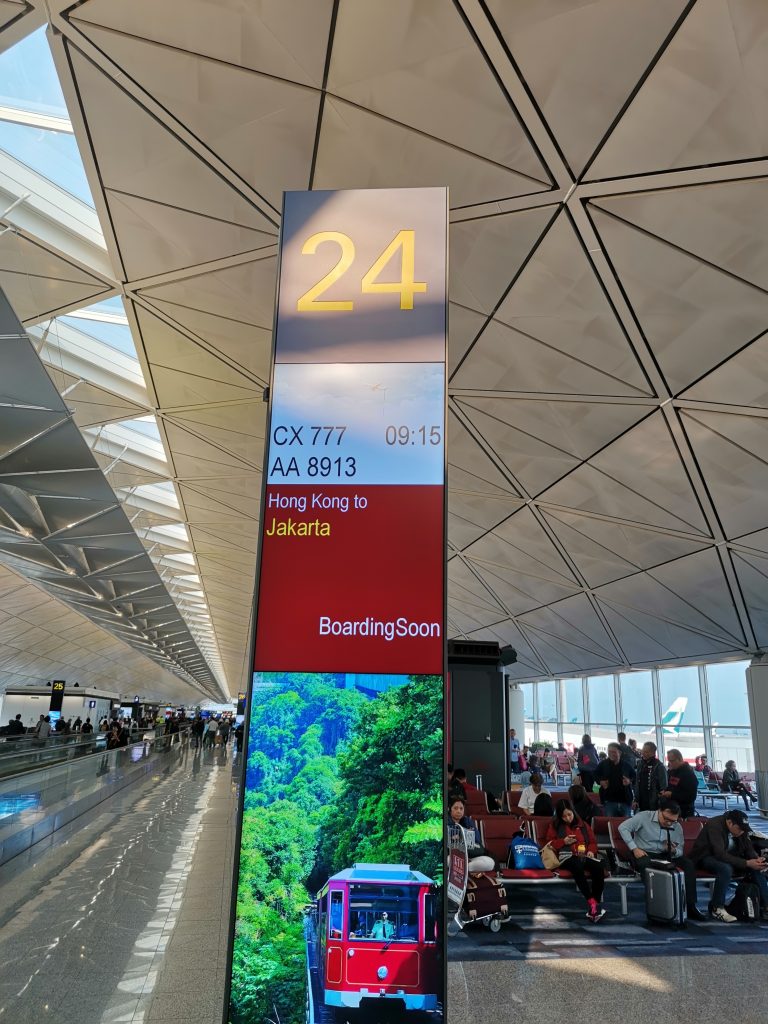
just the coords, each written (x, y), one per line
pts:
(352, 553)
(349, 646)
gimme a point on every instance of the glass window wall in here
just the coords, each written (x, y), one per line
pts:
(572, 701)
(680, 696)
(636, 698)
(602, 700)
(547, 706)
(701, 709)
(733, 745)
(727, 686)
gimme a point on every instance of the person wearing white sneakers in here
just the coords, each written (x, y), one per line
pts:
(724, 847)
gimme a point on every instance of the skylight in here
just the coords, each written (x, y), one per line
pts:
(146, 425)
(34, 122)
(28, 78)
(106, 321)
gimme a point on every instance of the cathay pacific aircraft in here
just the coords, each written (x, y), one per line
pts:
(672, 718)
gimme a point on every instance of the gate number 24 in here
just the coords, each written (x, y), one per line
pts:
(406, 287)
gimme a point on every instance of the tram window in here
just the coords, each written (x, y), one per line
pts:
(430, 917)
(384, 912)
(337, 914)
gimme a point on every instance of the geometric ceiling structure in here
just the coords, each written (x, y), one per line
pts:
(608, 345)
(62, 526)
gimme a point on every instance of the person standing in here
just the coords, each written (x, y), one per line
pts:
(651, 779)
(197, 728)
(43, 729)
(514, 752)
(86, 728)
(616, 780)
(587, 762)
(15, 727)
(627, 753)
(682, 784)
(210, 732)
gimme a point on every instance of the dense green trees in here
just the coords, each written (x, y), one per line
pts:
(332, 778)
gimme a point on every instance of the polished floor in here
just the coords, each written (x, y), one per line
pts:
(122, 915)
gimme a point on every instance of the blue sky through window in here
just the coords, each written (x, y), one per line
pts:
(117, 336)
(28, 82)
(28, 78)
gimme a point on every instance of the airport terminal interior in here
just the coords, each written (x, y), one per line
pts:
(606, 445)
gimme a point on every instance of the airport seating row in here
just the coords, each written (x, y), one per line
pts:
(497, 832)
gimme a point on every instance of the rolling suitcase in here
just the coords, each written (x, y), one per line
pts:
(665, 894)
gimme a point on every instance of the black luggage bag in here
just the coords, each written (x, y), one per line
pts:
(745, 904)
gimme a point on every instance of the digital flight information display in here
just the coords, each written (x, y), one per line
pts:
(353, 538)
(339, 883)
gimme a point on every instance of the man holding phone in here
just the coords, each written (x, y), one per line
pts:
(658, 835)
(724, 847)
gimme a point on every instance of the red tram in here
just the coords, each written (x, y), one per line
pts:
(377, 937)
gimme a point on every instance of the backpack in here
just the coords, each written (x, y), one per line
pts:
(524, 855)
(745, 904)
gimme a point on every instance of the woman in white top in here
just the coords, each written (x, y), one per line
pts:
(529, 794)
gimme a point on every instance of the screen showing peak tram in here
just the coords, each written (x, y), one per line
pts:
(339, 886)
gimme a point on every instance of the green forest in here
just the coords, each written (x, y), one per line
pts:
(332, 777)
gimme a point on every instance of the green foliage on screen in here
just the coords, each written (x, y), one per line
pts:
(332, 777)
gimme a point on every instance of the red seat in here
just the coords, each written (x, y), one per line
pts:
(513, 798)
(595, 798)
(539, 826)
(623, 852)
(526, 873)
(691, 829)
(476, 804)
(497, 833)
(600, 828)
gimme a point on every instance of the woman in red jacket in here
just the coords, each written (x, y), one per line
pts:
(576, 847)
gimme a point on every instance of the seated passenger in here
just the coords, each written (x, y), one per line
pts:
(583, 806)
(383, 928)
(658, 835)
(543, 806)
(576, 847)
(478, 859)
(724, 847)
(732, 782)
(530, 793)
(460, 786)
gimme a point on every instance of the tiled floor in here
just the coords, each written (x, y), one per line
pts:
(548, 963)
(124, 916)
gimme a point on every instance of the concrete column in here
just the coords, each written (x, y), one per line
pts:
(516, 711)
(757, 692)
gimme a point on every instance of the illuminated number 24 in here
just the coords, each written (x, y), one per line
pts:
(404, 240)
